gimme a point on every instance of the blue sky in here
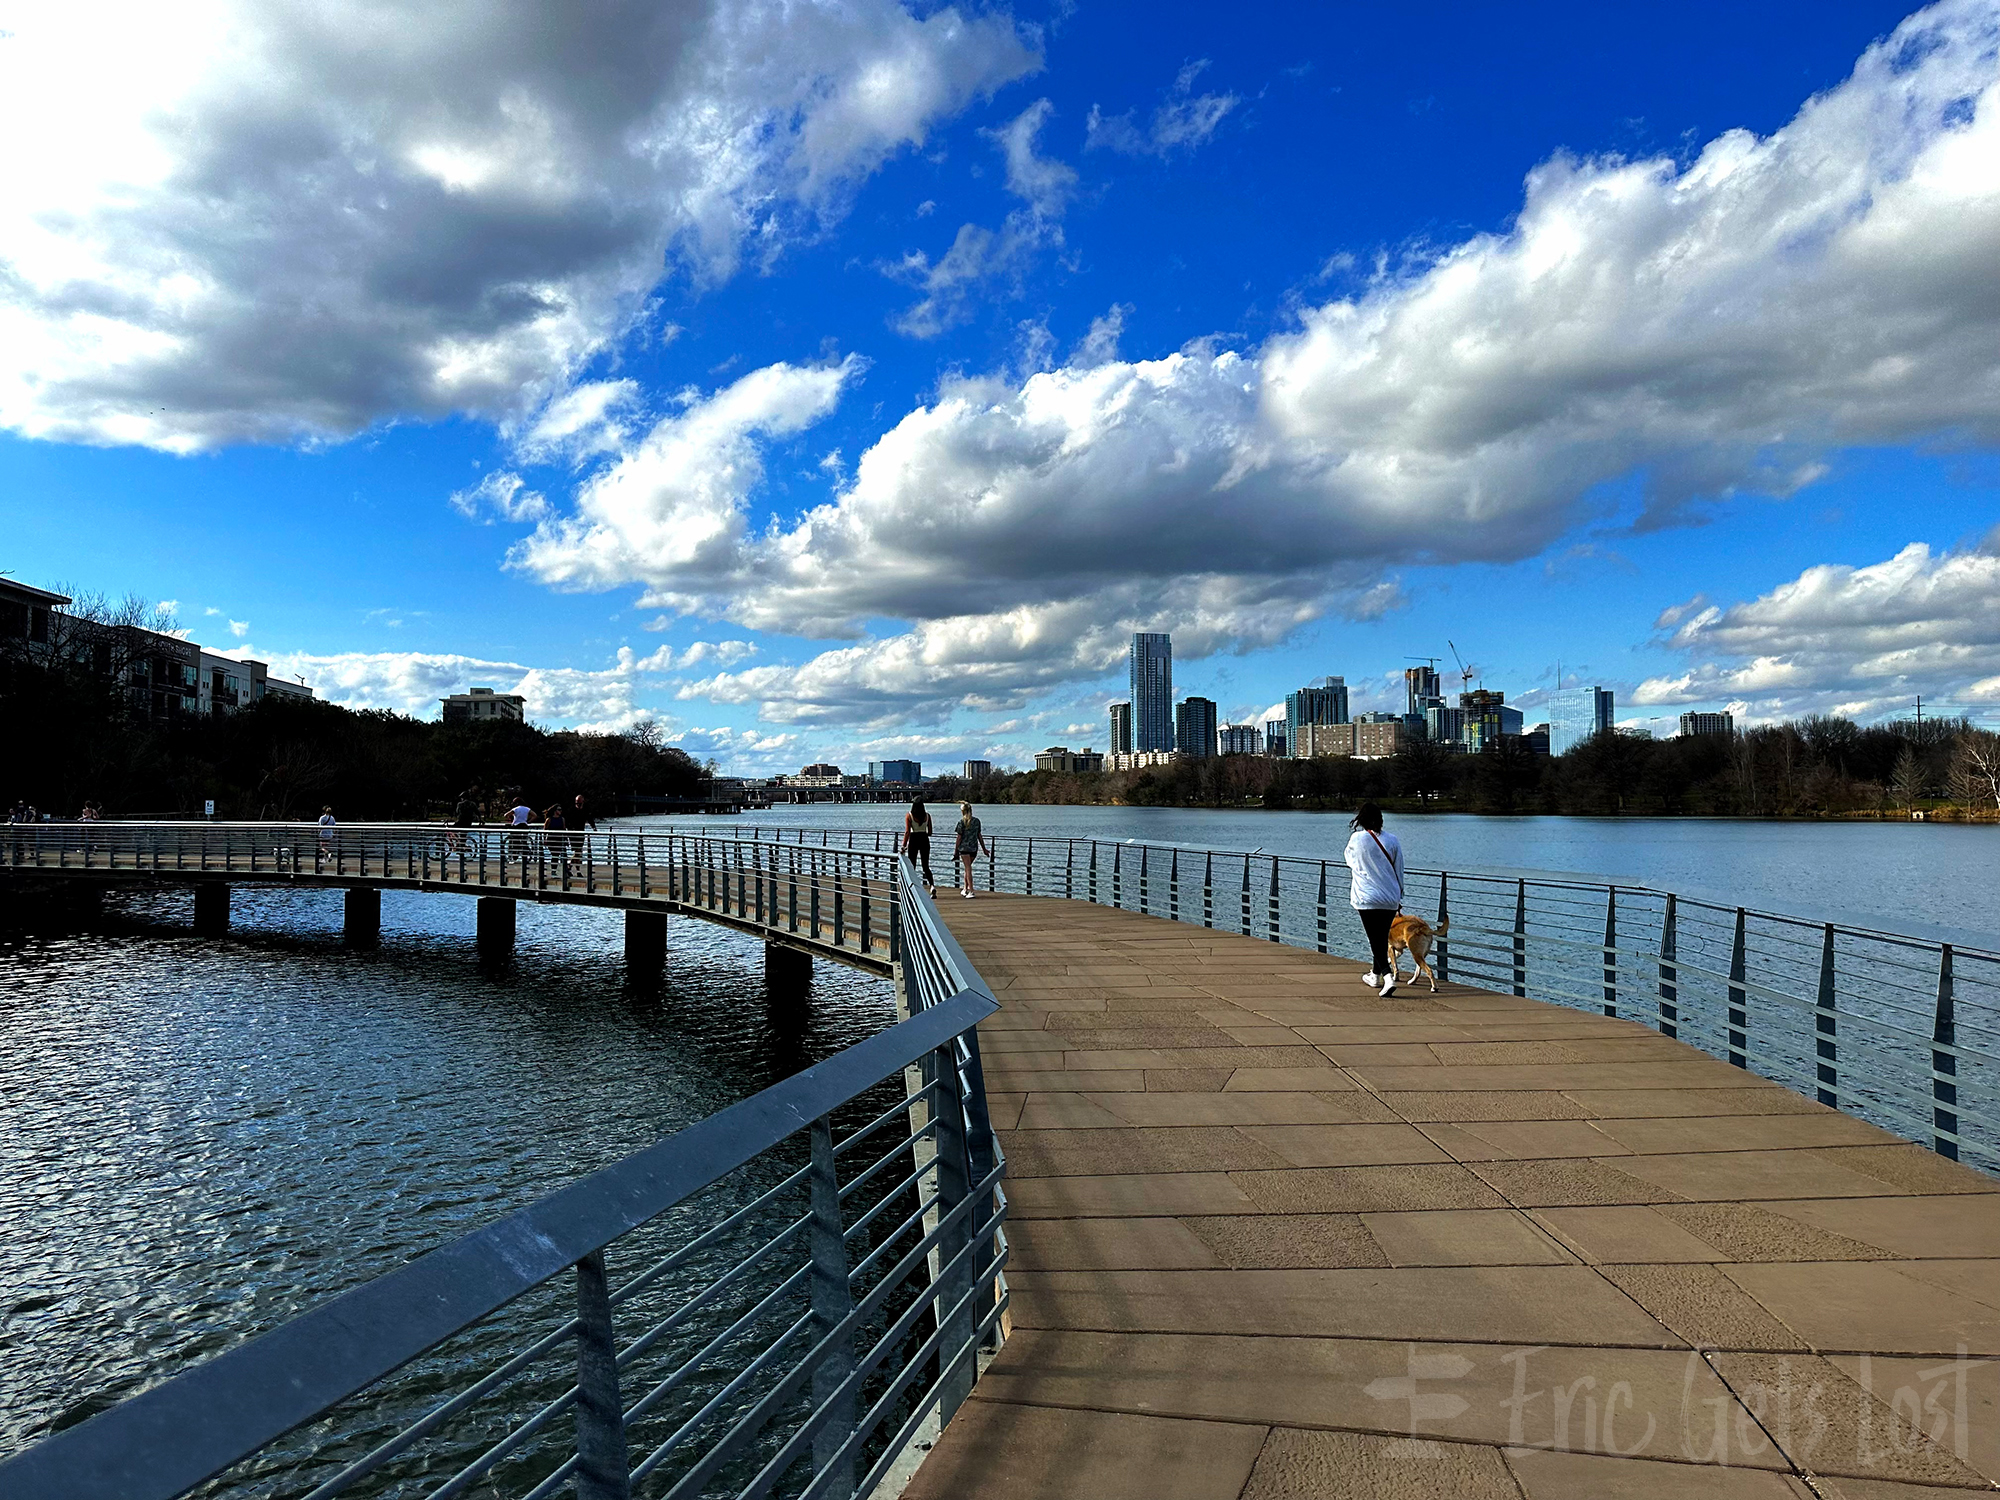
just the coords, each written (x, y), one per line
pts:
(850, 380)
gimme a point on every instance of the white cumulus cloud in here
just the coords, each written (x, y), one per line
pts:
(1703, 328)
(1854, 640)
(271, 220)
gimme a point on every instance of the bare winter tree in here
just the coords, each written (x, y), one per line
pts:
(1975, 769)
(1907, 783)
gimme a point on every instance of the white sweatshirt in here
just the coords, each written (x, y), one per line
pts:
(1377, 879)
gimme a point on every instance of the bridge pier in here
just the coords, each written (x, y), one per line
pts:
(211, 908)
(645, 943)
(496, 926)
(788, 973)
(362, 927)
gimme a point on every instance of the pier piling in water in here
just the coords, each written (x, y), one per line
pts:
(496, 926)
(362, 924)
(787, 972)
(211, 908)
(645, 943)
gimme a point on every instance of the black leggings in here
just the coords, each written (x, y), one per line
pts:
(1375, 922)
(917, 846)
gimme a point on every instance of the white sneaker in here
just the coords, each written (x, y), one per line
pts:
(966, 894)
(1371, 979)
(1388, 985)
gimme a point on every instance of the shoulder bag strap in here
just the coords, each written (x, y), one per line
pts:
(1392, 866)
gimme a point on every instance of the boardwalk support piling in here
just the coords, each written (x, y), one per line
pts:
(211, 908)
(788, 972)
(496, 926)
(361, 924)
(645, 943)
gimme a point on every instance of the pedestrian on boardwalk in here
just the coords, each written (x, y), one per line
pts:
(90, 814)
(969, 843)
(1375, 891)
(461, 817)
(519, 816)
(326, 825)
(554, 827)
(582, 816)
(917, 839)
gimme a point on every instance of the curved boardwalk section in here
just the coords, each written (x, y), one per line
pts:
(1274, 1236)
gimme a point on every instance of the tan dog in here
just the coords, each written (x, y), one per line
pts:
(1413, 935)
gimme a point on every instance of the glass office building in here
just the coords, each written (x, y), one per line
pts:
(1324, 703)
(1577, 715)
(1152, 691)
(1121, 729)
(1194, 728)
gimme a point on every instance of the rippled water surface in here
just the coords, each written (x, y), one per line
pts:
(199, 1139)
(1908, 877)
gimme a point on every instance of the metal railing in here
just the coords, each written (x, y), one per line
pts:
(770, 1302)
(1899, 1030)
(838, 897)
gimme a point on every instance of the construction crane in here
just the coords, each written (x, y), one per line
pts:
(1465, 673)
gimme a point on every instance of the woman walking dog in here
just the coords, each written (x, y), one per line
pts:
(1375, 862)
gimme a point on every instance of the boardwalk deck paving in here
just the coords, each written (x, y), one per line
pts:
(1275, 1236)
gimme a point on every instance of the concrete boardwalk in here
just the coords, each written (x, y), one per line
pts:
(1274, 1236)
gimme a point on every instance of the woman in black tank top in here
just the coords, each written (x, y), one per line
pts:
(917, 840)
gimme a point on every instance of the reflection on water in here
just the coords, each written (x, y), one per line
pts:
(199, 1139)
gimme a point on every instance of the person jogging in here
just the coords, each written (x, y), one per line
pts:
(967, 845)
(917, 840)
(1375, 865)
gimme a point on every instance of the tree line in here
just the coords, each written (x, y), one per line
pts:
(72, 736)
(1823, 766)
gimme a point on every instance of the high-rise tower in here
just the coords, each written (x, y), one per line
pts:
(1152, 691)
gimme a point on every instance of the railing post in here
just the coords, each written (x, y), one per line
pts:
(1944, 1064)
(643, 892)
(1670, 993)
(603, 1461)
(1274, 898)
(1321, 940)
(1174, 885)
(992, 853)
(1443, 965)
(1117, 878)
(1031, 867)
(1208, 892)
(1246, 895)
(839, 910)
(1827, 1082)
(1093, 871)
(815, 895)
(1145, 880)
(1739, 1000)
(1611, 950)
(832, 1301)
(1069, 869)
(792, 891)
(1521, 937)
(957, 1356)
(867, 935)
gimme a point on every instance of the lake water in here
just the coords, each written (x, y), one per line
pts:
(200, 1139)
(1928, 879)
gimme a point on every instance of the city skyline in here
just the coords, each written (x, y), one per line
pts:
(919, 360)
